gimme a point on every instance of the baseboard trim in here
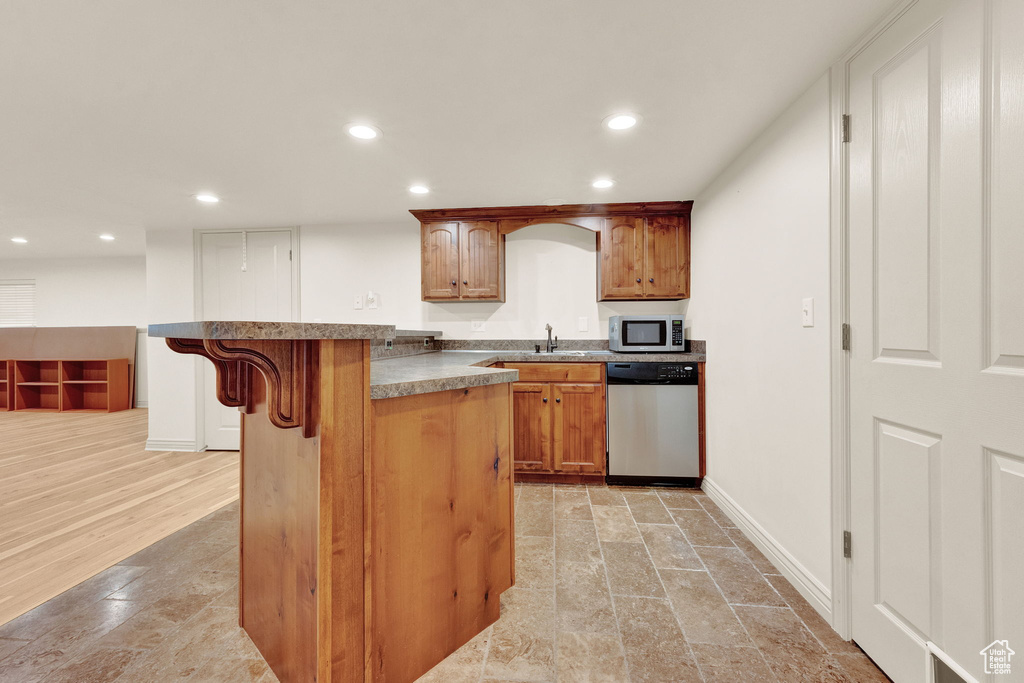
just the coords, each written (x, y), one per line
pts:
(141, 404)
(171, 445)
(811, 588)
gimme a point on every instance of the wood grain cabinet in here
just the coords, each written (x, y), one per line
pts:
(463, 261)
(645, 258)
(558, 414)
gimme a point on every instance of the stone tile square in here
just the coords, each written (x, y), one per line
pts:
(726, 664)
(630, 570)
(590, 658)
(647, 508)
(701, 609)
(668, 547)
(615, 524)
(700, 529)
(739, 580)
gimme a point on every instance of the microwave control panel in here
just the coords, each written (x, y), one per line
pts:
(677, 333)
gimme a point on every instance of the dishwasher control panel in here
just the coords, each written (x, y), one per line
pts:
(676, 371)
(652, 373)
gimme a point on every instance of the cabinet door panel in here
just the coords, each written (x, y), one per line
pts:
(667, 263)
(621, 273)
(579, 434)
(440, 270)
(479, 264)
(531, 411)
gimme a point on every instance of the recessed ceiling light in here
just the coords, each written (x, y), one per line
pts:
(602, 183)
(363, 131)
(207, 198)
(419, 189)
(107, 238)
(19, 240)
(621, 121)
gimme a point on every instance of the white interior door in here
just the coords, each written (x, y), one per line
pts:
(936, 256)
(245, 276)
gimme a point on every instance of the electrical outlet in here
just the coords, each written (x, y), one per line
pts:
(389, 344)
(807, 312)
(357, 303)
(477, 325)
(426, 342)
(583, 324)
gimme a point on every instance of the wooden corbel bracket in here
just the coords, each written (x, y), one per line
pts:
(232, 376)
(289, 368)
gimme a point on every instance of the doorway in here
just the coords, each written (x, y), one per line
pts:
(242, 275)
(934, 424)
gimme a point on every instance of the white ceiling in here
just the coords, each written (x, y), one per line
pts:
(114, 113)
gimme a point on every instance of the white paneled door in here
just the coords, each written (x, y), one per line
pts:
(936, 281)
(245, 276)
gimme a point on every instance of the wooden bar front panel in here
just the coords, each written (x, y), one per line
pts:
(279, 540)
(441, 524)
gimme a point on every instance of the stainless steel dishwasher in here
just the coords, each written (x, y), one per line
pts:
(653, 424)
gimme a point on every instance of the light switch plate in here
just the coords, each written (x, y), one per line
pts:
(372, 300)
(477, 325)
(807, 312)
(357, 303)
(583, 324)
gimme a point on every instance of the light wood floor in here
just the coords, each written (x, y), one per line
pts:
(79, 493)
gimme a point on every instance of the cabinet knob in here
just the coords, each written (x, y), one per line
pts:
(558, 400)
(651, 280)
(545, 400)
(454, 283)
(638, 279)
(465, 282)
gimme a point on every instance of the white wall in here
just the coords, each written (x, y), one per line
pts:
(88, 292)
(760, 244)
(170, 290)
(551, 277)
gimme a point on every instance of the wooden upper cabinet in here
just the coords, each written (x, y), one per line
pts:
(645, 258)
(667, 262)
(440, 253)
(579, 428)
(462, 261)
(621, 270)
(479, 261)
(531, 426)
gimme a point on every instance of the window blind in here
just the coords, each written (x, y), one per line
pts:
(17, 303)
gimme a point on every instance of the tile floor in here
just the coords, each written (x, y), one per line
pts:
(612, 585)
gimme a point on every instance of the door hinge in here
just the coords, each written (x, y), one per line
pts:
(846, 127)
(289, 254)
(845, 336)
(847, 544)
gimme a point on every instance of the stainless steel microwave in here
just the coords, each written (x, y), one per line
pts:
(646, 333)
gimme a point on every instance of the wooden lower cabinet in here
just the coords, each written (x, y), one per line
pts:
(559, 426)
(531, 415)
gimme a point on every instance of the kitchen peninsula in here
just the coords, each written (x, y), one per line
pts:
(376, 517)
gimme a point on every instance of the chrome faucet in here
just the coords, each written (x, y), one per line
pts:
(552, 345)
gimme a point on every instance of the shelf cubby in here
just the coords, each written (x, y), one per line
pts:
(6, 387)
(84, 396)
(83, 370)
(37, 396)
(37, 372)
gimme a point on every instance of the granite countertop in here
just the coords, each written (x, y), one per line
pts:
(445, 370)
(236, 329)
